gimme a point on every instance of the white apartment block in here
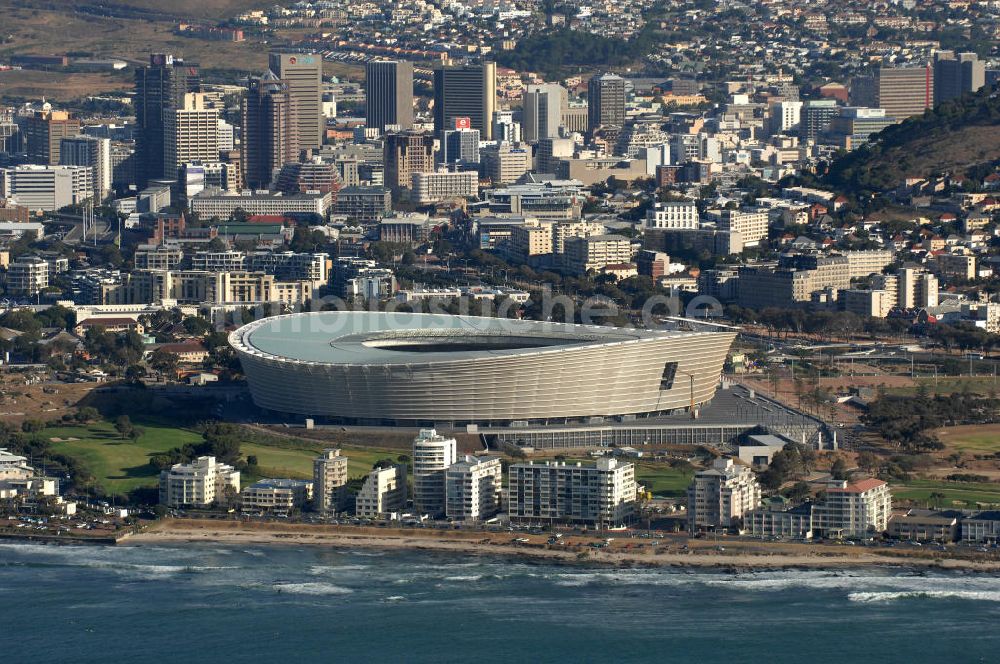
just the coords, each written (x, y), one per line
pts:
(383, 492)
(505, 163)
(441, 186)
(200, 483)
(531, 239)
(593, 253)
(190, 133)
(673, 215)
(752, 225)
(432, 456)
(90, 151)
(720, 496)
(329, 478)
(276, 496)
(27, 275)
(219, 261)
(14, 466)
(603, 494)
(473, 488)
(158, 257)
(564, 230)
(853, 510)
(222, 204)
(47, 188)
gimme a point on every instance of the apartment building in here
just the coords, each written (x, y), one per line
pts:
(873, 303)
(720, 496)
(583, 254)
(915, 288)
(752, 225)
(276, 496)
(158, 257)
(673, 215)
(200, 483)
(27, 275)
(602, 495)
(383, 492)
(364, 204)
(441, 186)
(190, 133)
(329, 479)
(530, 240)
(432, 456)
(853, 510)
(473, 488)
(955, 267)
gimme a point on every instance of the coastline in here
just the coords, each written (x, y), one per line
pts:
(737, 555)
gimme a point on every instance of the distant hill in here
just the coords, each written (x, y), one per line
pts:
(164, 9)
(952, 138)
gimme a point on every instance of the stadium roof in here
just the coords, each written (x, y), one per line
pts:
(362, 337)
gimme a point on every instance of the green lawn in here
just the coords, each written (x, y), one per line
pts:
(974, 438)
(122, 465)
(955, 493)
(662, 480)
(950, 384)
(118, 465)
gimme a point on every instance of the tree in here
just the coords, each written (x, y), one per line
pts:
(839, 469)
(123, 425)
(163, 362)
(868, 462)
(799, 492)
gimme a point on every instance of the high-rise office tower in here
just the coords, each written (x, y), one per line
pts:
(270, 130)
(467, 91)
(159, 87)
(190, 133)
(90, 151)
(389, 94)
(44, 132)
(785, 116)
(957, 74)
(606, 102)
(905, 91)
(302, 73)
(817, 114)
(460, 146)
(505, 128)
(407, 152)
(542, 111)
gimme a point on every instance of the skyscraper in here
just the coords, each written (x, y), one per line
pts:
(302, 73)
(90, 151)
(542, 111)
(460, 146)
(407, 152)
(957, 75)
(905, 91)
(270, 130)
(817, 114)
(190, 133)
(606, 102)
(44, 132)
(158, 87)
(389, 94)
(467, 91)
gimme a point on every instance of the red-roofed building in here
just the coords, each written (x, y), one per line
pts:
(860, 509)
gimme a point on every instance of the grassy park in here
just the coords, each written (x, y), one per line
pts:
(955, 494)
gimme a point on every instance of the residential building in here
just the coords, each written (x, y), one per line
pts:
(982, 528)
(406, 153)
(874, 303)
(594, 252)
(505, 163)
(916, 288)
(389, 94)
(200, 483)
(752, 225)
(605, 102)
(720, 496)
(473, 488)
(652, 264)
(817, 114)
(859, 509)
(44, 131)
(190, 133)
(955, 266)
(364, 204)
(383, 492)
(276, 496)
(270, 130)
(925, 526)
(94, 153)
(302, 74)
(673, 214)
(158, 257)
(542, 111)
(329, 480)
(465, 91)
(27, 275)
(602, 495)
(777, 518)
(441, 186)
(432, 456)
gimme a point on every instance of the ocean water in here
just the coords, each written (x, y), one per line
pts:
(281, 604)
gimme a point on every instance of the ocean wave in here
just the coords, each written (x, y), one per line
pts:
(884, 597)
(470, 577)
(313, 588)
(318, 570)
(394, 598)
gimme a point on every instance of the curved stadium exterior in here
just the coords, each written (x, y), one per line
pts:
(409, 369)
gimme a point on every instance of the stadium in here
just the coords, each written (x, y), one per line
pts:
(406, 369)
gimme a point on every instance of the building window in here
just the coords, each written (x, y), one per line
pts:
(667, 378)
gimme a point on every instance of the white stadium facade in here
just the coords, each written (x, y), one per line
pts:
(406, 369)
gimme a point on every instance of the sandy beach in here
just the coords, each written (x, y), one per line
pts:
(669, 552)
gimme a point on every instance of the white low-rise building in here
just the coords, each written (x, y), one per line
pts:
(277, 496)
(383, 492)
(200, 483)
